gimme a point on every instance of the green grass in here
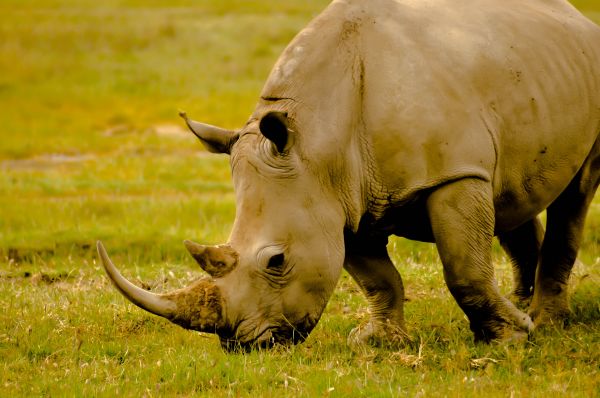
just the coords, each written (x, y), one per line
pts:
(91, 148)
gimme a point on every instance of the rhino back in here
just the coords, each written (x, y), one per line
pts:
(443, 89)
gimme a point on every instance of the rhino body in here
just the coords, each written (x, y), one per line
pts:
(436, 120)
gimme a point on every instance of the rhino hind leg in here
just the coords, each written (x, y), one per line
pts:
(523, 246)
(564, 230)
(462, 220)
(373, 270)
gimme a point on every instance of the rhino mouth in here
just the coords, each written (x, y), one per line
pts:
(269, 337)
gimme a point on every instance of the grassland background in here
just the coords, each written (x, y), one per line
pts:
(91, 148)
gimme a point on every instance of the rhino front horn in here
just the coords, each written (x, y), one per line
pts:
(215, 260)
(197, 307)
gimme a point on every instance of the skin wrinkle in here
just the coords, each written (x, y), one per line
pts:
(494, 139)
(337, 247)
(278, 280)
(277, 166)
(355, 201)
(247, 329)
(380, 299)
(266, 162)
(276, 99)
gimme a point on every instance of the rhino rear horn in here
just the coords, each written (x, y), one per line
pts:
(215, 260)
(215, 139)
(198, 306)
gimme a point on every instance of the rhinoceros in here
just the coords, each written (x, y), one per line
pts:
(435, 120)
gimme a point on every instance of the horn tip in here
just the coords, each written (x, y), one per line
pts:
(100, 246)
(193, 247)
(183, 115)
(103, 255)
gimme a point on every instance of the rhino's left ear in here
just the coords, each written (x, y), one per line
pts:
(274, 126)
(215, 139)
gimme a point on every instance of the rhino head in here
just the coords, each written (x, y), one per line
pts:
(272, 280)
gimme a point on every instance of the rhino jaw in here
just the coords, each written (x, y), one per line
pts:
(197, 307)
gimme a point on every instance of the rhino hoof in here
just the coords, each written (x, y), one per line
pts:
(513, 337)
(543, 317)
(522, 302)
(528, 324)
(382, 335)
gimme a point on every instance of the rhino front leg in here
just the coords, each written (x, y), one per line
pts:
(462, 219)
(523, 246)
(371, 267)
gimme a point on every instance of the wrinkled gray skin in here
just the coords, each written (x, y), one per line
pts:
(437, 120)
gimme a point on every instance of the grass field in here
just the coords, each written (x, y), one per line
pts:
(91, 148)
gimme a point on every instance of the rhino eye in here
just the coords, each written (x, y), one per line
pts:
(276, 262)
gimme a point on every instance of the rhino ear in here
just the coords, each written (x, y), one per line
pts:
(274, 126)
(215, 139)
